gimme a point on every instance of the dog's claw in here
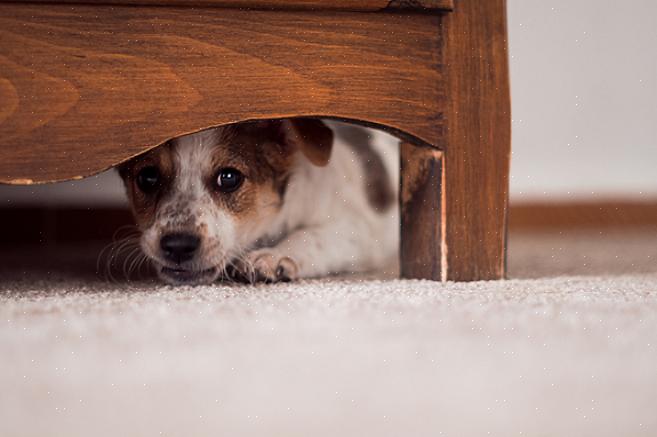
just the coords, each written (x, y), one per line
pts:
(271, 268)
(265, 266)
(286, 270)
(235, 274)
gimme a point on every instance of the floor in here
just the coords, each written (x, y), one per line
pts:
(568, 346)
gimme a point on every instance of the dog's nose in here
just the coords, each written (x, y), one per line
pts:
(180, 247)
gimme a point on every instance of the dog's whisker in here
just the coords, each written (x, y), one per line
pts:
(100, 257)
(134, 262)
(246, 266)
(124, 268)
(143, 261)
(238, 268)
(112, 252)
(127, 262)
(108, 255)
(132, 231)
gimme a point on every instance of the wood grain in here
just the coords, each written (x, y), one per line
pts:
(422, 252)
(315, 5)
(478, 145)
(85, 87)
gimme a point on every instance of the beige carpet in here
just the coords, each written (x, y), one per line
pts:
(568, 348)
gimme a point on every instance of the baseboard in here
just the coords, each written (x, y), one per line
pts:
(39, 225)
(582, 215)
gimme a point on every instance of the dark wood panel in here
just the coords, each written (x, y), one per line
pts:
(345, 5)
(85, 87)
(477, 149)
(422, 250)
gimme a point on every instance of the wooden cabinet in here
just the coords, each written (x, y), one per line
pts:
(88, 85)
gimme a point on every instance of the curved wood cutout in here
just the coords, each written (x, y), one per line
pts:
(91, 86)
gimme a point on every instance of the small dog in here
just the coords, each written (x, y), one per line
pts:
(266, 201)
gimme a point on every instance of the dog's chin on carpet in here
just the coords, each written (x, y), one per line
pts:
(182, 276)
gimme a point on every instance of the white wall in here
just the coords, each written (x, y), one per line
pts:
(584, 93)
(584, 87)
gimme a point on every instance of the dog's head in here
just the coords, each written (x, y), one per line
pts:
(202, 199)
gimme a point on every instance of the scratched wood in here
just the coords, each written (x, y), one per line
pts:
(422, 197)
(315, 5)
(85, 87)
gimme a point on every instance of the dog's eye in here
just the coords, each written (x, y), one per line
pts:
(229, 180)
(148, 179)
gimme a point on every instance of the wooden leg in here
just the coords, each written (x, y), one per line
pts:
(478, 144)
(422, 250)
(454, 202)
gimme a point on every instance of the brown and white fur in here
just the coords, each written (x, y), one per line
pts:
(310, 203)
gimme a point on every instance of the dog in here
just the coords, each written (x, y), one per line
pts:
(268, 201)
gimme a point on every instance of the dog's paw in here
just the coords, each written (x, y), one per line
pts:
(267, 266)
(270, 267)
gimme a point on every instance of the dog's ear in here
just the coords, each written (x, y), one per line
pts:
(309, 136)
(312, 137)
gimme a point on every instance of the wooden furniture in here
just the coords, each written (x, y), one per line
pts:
(88, 85)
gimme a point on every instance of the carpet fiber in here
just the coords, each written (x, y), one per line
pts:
(566, 347)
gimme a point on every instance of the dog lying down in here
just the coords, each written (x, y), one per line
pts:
(267, 201)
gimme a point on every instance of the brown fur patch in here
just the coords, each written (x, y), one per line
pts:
(143, 205)
(312, 137)
(380, 193)
(258, 151)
